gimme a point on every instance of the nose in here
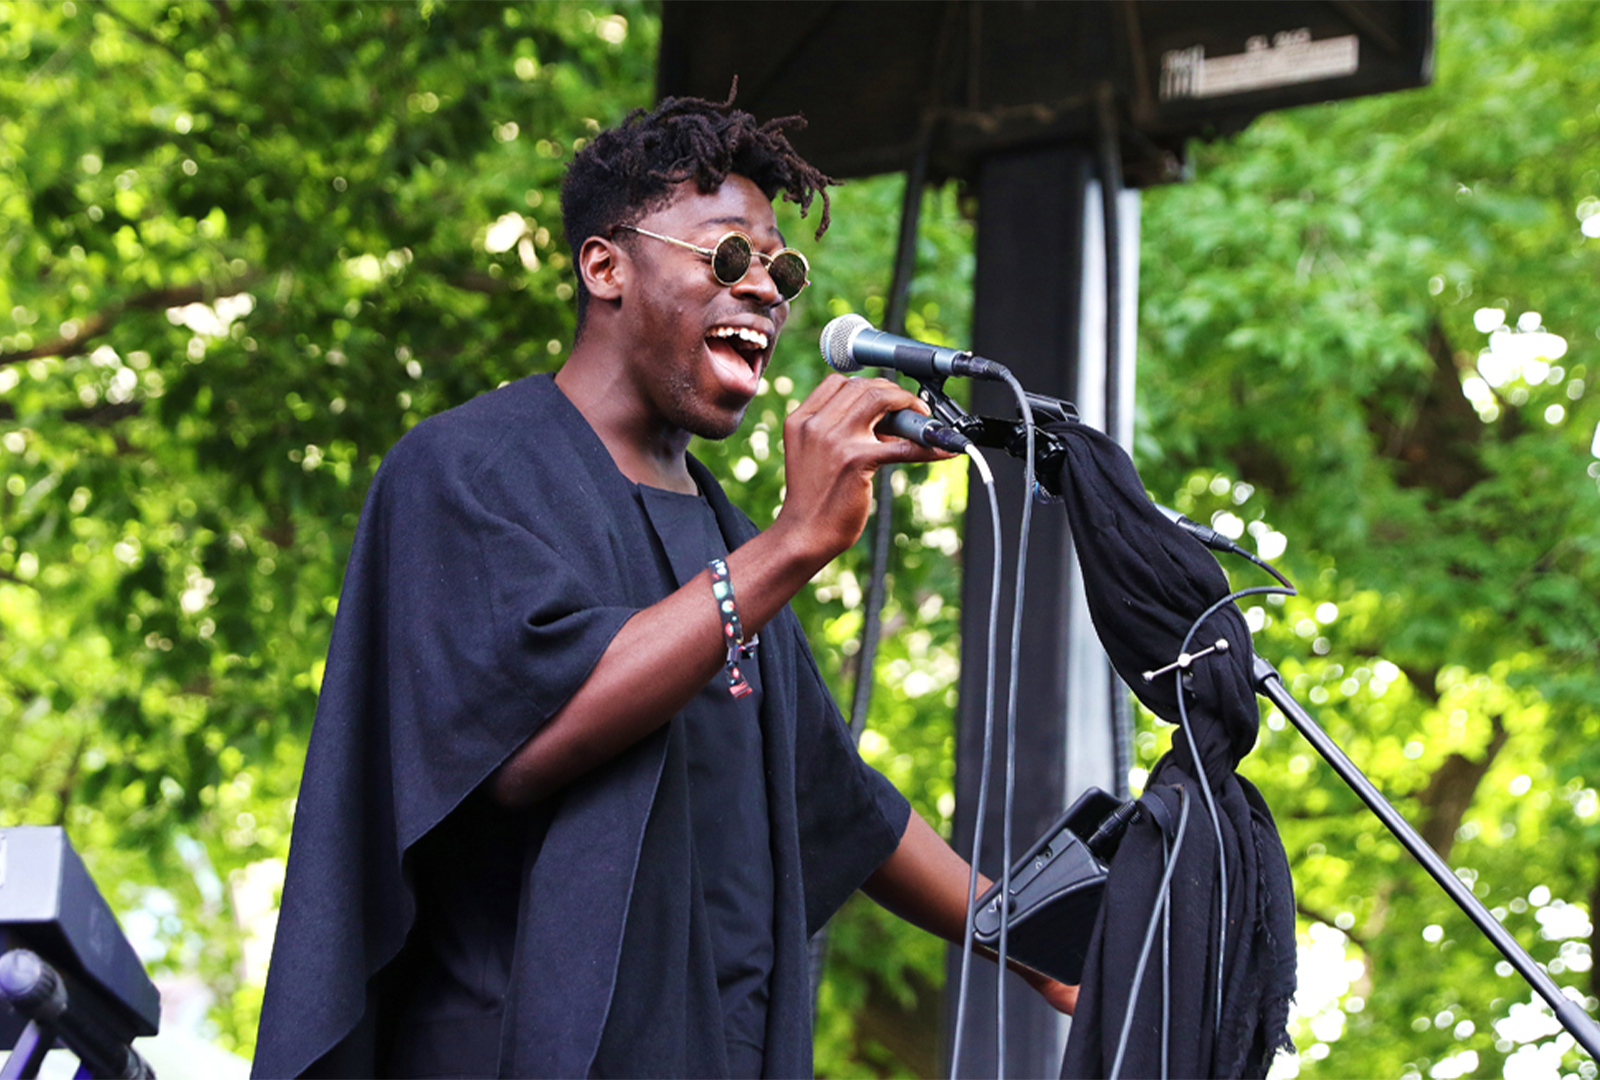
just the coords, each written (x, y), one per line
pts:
(757, 284)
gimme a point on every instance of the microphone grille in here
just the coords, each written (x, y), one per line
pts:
(836, 338)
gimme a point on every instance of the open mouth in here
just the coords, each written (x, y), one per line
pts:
(740, 347)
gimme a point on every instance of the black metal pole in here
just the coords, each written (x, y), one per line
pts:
(1269, 684)
(28, 1055)
(1109, 167)
(905, 265)
(1029, 314)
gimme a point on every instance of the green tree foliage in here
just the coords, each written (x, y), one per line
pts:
(246, 246)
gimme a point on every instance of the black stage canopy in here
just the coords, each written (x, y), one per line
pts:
(1003, 74)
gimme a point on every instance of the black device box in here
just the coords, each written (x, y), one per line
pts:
(1056, 889)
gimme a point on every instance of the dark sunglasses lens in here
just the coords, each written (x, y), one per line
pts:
(731, 259)
(788, 272)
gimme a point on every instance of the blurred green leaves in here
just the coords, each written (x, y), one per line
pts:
(244, 247)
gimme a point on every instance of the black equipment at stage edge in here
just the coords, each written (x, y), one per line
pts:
(67, 972)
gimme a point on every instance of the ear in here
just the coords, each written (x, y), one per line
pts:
(603, 267)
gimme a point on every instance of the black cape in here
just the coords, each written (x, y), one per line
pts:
(1146, 581)
(499, 552)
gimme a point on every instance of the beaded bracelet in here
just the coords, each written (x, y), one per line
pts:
(738, 649)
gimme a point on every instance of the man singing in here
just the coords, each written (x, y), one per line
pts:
(576, 796)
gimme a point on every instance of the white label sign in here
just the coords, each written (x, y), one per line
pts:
(1289, 57)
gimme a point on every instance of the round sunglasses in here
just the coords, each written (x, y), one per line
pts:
(733, 254)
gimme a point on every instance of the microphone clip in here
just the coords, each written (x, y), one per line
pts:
(1009, 435)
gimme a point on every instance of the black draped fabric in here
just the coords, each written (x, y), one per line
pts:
(1146, 582)
(499, 552)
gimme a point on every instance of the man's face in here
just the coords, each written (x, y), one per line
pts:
(700, 346)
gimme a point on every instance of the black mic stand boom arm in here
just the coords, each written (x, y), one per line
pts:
(1269, 684)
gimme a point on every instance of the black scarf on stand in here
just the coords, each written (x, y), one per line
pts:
(1146, 582)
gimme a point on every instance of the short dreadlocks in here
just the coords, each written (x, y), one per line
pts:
(628, 172)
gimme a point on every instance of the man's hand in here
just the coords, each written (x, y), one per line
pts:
(1062, 997)
(831, 452)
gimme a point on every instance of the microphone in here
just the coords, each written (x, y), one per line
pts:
(1208, 536)
(924, 430)
(1214, 540)
(850, 343)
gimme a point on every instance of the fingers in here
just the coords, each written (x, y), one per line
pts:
(831, 385)
(854, 406)
(831, 451)
(850, 409)
(869, 400)
(895, 450)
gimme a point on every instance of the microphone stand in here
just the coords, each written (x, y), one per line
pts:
(1049, 453)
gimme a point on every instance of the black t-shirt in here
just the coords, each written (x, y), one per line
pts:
(728, 801)
(445, 997)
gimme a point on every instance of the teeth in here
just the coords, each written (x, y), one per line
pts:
(754, 337)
